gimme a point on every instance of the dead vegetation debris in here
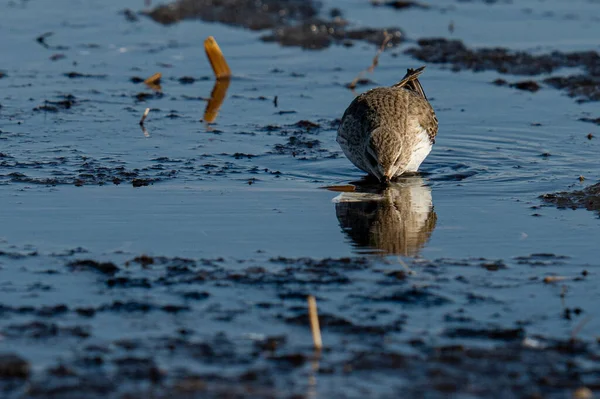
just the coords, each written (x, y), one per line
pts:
(588, 198)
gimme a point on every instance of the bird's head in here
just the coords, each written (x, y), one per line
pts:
(382, 153)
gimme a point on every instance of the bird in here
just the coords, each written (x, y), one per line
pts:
(389, 131)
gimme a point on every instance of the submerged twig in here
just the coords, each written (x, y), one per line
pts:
(216, 58)
(41, 39)
(578, 327)
(144, 116)
(314, 322)
(408, 270)
(346, 188)
(374, 63)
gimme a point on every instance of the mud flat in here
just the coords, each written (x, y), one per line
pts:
(583, 87)
(361, 343)
(588, 198)
(293, 23)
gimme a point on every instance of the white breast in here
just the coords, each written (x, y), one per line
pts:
(419, 151)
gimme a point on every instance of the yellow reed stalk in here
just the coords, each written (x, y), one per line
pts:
(154, 79)
(216, 58)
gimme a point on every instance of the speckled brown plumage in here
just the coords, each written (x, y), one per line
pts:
(388, 131)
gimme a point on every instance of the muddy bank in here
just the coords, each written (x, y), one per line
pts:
(588, 198)
(255, 15)
(591, 120)
(369, 308)
(77, 170)
(399, 4)
(583, 87)
(269, 368)
(300, 141)
(292, 22)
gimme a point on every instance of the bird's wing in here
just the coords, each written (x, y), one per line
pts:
(428, 121)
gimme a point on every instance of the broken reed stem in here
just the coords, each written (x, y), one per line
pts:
(216, 58)
(154, 79)
(314, 322)
(553, 279)
(374, 63)
(153, 82)
(146, 112)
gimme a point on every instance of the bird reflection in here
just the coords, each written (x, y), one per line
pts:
(396, 219)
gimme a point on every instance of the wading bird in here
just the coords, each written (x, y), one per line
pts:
(388, 131)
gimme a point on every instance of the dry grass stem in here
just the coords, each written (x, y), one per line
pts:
(553, 279)
(314, 322)
(216, 58)
(146, 112)
(374, 63)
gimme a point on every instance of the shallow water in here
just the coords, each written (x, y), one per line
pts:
(250, 188)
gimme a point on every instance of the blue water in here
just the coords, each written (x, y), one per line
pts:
(487, 133)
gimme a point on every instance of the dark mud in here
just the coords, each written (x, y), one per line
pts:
(76, 170)
(526, 85)
(588, 198)
(375, 341)
(292, 23)
(320, 34)
(301, 141)
(539, 368)
(244, 13)
(582, 87)
(400, 4)
(591, 120)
